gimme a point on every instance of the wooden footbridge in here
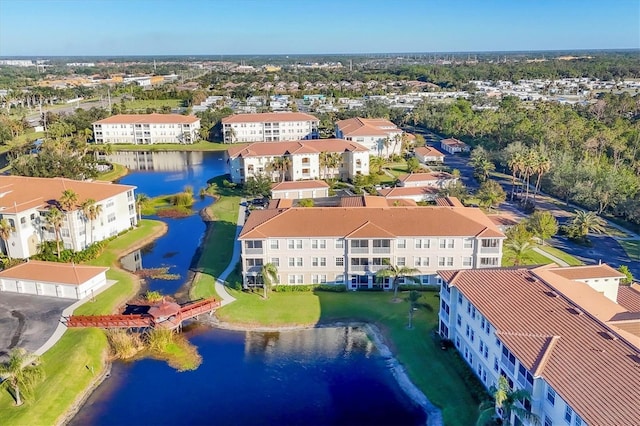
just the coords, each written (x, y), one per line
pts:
(167, 315)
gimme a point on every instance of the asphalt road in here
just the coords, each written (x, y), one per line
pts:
(605, 248)
(28, 321)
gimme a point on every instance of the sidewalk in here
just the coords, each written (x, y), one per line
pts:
(556, 260)
(220, 281)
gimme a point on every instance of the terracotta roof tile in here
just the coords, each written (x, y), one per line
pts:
(149, 119)
(366, 127)
(19, 193)
(453, 142)
(590, 365)
(342, 221)
(268, 117)
(428, 151)
(260, 149)
(629, 297)
(299, 185)
(449, 202)
(411, 191)
(421, 177)
(588, 271)
(53, 272)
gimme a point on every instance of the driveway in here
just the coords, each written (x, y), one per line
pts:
(28, 321)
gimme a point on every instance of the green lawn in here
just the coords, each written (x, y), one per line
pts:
(217, 247)
(530, 258)
(197, 146)
(117, 172)
(152, 103)
(439, 374)
(632, 248)
(21, 140)
(572, 261)
(72, 363)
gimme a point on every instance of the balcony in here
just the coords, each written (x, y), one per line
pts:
(489, 250)
(253, 251)
(444, 315)
(359, 250)
(383, 250)
(253, 269)
(508, 365)
(366, 268)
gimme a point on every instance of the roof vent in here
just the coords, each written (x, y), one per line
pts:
(608, 335)
(531, 279)
(575, 311)
(551, 293)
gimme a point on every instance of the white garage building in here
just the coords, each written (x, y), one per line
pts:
(64, 280)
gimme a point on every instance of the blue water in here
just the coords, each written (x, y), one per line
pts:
(327, 376)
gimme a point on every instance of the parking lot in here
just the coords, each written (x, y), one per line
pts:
(28, 321)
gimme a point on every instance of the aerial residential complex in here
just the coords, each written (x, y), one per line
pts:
(570, 336)
(269, 127)
(348, 245)
(147, 129)
(24, 202)
(380, 136)
(303, 160)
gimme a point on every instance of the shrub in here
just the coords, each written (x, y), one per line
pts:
(153, 296)
(418, 287)
(226, 184)
(309, 288)
(182, 199)
(305, 202)
(158, 339)
(124, 344)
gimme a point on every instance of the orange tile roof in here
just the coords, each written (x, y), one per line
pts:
(366, 127)
(412, 191)
(19, 193)
(428, 151)
(299, 185)
(342, 221)
(268, 117)
(629, 297)
(149, 119)
(260, 149)
(588, 272)
(588, 363)
(453, 142)
(449, 202)
(52, 272)
(420, 177)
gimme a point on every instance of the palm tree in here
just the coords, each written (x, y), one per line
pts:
(490, 194)
(543, 225)
(86, 207)
(397, 272)
(588, 222)
(68, 200)
(55, 219)
(21, 373)
(333, 162)
(520, 249)
(324, 163)
(140, 200)
(505, 402)
(5, 233)
(530, 167)
(280, 165)
(269, 273)
(543, 166)
(94, 212)
(515, 163)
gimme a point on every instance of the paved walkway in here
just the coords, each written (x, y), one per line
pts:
(220, 287)
(557, 260)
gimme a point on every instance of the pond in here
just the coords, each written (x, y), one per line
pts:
(324, 376)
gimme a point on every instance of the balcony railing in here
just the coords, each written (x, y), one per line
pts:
(511, 368)
(253, 251)
(522, 381)
(444, 315)
(489, 250)
(381, 250)
(359, 250)
(254, 269)
(366, 268)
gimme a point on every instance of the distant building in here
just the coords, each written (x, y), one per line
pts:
(53, 279)
(380, 136)
(453, 146)
(269, 127)
(428, 154)
(24, 202)
(147, 129)
(299, 189)
(555, 332)
(303, 158)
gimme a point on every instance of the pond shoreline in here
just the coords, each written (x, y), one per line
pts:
(433, 413)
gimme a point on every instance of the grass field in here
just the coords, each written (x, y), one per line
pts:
(441, 375)
(572, 261)
(73, 362)
(531, 258)
(219, 240)
(632, 248)
(197, 146)
(117, 172)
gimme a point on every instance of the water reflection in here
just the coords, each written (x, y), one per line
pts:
(132, 262)
(164, 161)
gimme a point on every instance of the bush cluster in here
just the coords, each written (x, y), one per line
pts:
(48, 252)
(309, 288)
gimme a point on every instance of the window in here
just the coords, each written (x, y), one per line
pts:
(458, 342)
(468, 307)
(253, 244)
(577, 421)
(299, 262)
(111, 217)
(422, 243)
(551, 396)
(467, 261)
(339, 243)
(254, 262)
(401, 244)
(473, 312)
(449, 261)
(275, 261)
(447, 243)
(495, 364)
(65, 232)
(547, 421)
(472, 336)
(420, 261)
(486, 243)
(568, 414)
(318, 279)
(339, 261)
(339, 278)
(363, 244)
(273, 244)
(425, 280)
(459, 320)
(488, 261)
(401, 261)
(468, 243)
(292, 262)
(468, 331)
(459, 299)
(294, 244)
(319, 261)
(318, 244)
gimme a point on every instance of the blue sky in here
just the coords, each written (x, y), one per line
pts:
(163, 27)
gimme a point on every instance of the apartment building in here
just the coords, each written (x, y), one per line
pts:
(302, 160)
(24, 202)
(269, 127)
(147, 129)
(552, 331)
(348, 245)
(381, 137)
